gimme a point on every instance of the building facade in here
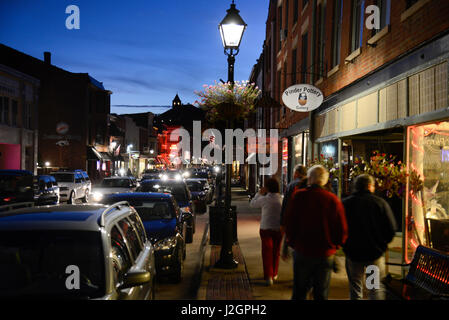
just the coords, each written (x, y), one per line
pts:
(19, 94)
(385, 89)
(73, 113)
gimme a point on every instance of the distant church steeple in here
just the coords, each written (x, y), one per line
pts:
(176, 101)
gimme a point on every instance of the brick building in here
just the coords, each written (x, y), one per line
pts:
(18, 120)
(73, 113)
(384, 89)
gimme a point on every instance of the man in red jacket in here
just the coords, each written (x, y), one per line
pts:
(315, 226)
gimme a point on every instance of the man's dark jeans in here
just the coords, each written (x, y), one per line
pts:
(311, 273)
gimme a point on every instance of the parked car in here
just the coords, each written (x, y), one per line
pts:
(113, 185)
(165, 226)
(201, 196)
(179, 189)
(46, 190)
(72, 185)
(102, 251)
(16, 186)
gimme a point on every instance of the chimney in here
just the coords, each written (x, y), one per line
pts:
(47, 57)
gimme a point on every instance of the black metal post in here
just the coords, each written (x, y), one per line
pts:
(226, 260)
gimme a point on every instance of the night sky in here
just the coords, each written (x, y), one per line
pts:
(144, 51)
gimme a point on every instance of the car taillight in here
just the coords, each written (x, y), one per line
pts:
(7, 199)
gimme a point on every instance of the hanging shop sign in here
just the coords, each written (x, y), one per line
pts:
(302, 97)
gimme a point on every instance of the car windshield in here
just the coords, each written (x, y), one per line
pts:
(177, 190)
(152, 210)
(15, 184)
(195, 186)
(116, 183)
(64, 177)
(35, 263)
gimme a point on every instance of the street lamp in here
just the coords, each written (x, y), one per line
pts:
(231, 29)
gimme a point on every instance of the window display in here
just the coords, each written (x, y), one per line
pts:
(427, 215)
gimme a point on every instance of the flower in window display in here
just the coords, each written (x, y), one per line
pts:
(390, 175)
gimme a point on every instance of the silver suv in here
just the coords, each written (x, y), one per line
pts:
(73, 185)
(76, 252)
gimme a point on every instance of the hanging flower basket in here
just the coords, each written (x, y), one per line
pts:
(226, 101)
(229, 110)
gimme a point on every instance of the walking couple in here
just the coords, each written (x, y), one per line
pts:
(316, 225)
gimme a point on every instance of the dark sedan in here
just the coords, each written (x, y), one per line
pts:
(179, 189)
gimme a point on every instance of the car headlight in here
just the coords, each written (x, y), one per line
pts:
(178, 177)
(165, 244)
(97, 196)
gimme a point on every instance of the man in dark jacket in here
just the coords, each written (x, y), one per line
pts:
(315, 226)
(299, 180)
(371, 227)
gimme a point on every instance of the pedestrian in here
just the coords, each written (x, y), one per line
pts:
(269, 199)
(315, 226)
(299, 181)
(371, 227)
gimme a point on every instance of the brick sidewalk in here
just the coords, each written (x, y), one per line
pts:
(228, 285)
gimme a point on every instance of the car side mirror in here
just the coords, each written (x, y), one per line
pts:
(134, 279)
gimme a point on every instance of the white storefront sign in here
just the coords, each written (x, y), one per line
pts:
(302, 97)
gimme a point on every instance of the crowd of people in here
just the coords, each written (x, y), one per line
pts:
(312, 223)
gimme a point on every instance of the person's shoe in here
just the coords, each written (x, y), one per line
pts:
(269, 282)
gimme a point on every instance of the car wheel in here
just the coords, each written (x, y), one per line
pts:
(71, 198)
(177, 275)
(86, 197)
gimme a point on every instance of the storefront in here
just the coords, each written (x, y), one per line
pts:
(403, 114)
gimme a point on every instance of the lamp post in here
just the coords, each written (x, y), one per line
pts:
(231, 29)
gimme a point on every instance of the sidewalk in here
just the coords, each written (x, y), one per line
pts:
(246, 282)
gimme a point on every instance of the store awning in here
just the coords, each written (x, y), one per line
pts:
(93, 154)
(105, 156)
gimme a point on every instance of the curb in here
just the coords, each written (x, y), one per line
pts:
(195, 288)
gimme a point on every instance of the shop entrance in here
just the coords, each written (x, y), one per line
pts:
(385, 147)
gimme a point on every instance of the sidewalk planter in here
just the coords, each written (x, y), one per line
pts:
(217, 217)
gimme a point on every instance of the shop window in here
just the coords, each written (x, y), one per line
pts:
(427, 212)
